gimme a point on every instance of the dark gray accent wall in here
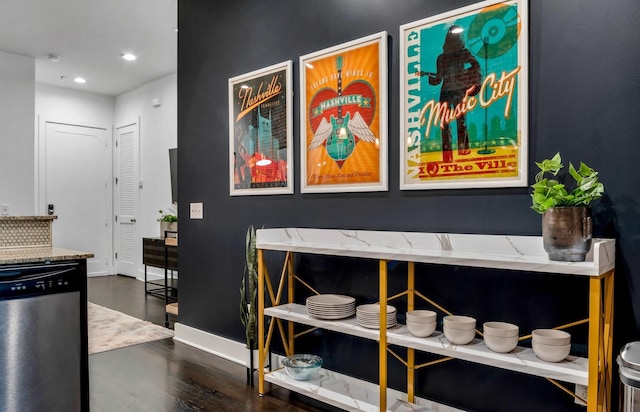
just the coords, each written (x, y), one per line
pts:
(584, 102)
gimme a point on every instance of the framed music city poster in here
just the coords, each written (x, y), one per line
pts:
(463, 98)
(343, 117)
(260, 132)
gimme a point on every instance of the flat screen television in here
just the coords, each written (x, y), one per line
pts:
(173, 166)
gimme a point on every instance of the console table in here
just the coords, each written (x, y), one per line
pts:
(158, 254)
(511, 253)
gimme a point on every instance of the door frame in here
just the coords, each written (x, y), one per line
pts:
(114, 199)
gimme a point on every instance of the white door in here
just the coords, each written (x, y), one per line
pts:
(77, 169)
(126, 200)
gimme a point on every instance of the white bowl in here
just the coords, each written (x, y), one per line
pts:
(421, 330)
(458, 336)
(500, 344)
(421, 316)
(551, 353)
(551, 337)
(373, 308)
(460, 322)
(501, 329)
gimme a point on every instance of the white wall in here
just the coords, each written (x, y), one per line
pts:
(17, 166)
(25, 107)
(158, 133)
(61, 105)
(73, 107)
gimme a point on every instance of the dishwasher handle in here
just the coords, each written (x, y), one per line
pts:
(35, 272)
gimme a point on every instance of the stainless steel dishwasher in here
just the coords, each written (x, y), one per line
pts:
(43, 337)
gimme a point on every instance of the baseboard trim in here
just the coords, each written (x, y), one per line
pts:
(214, 344)
(154, 273)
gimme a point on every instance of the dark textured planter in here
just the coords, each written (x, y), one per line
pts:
(566, 233)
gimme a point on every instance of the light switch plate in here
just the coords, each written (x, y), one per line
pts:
(195, 211)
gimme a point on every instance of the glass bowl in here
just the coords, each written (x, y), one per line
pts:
(302, 366)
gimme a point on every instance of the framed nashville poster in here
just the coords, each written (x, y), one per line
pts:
(343, 117)
(260, 132)
(463, 92)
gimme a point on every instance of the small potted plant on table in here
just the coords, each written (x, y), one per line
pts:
(566, 215)
(168, 222)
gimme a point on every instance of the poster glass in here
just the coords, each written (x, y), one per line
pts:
(260, 132)
(463, 88)
(343, 106)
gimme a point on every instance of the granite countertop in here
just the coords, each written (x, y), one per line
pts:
(47, 217)
(39, 254)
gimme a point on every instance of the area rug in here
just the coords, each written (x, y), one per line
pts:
(109, 329)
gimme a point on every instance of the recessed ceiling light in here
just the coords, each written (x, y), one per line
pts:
(129, 57)
(79, 80)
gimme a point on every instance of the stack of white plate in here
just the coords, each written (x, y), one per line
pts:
(368, 316)
(331, 306)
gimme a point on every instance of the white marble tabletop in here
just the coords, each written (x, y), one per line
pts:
(524, 253)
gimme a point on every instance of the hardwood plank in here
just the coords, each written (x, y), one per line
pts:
(168, 376)
(126, 294)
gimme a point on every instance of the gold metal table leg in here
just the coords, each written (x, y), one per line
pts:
(600, 343)
(261, 354)
(290, 285)
(383, 335)
(411, 352)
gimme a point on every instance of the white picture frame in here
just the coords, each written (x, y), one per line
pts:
(491, 149)
(343, 117)
(260, 124)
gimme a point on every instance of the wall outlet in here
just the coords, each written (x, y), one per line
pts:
(4, 210)
(195, 211)
(581, 391)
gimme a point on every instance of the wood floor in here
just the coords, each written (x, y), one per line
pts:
(169, 376)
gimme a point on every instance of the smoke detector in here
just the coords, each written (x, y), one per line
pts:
(54, 58)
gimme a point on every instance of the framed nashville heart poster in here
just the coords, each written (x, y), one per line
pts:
(463, 98)
(343, 117)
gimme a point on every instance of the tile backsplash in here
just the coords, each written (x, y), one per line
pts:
(28, 232)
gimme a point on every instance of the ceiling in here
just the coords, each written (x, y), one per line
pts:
(90, 37)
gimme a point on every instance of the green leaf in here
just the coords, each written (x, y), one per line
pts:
(547, 193)
(248, 305)
(586, 170)
(539, 198)
(574, 173)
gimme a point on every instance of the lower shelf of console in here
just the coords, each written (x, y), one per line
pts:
(350, 394)
(522, 359)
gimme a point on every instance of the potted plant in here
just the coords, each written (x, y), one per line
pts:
(249, 291)
(566, 215)
(249, 301)
(168, 222)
